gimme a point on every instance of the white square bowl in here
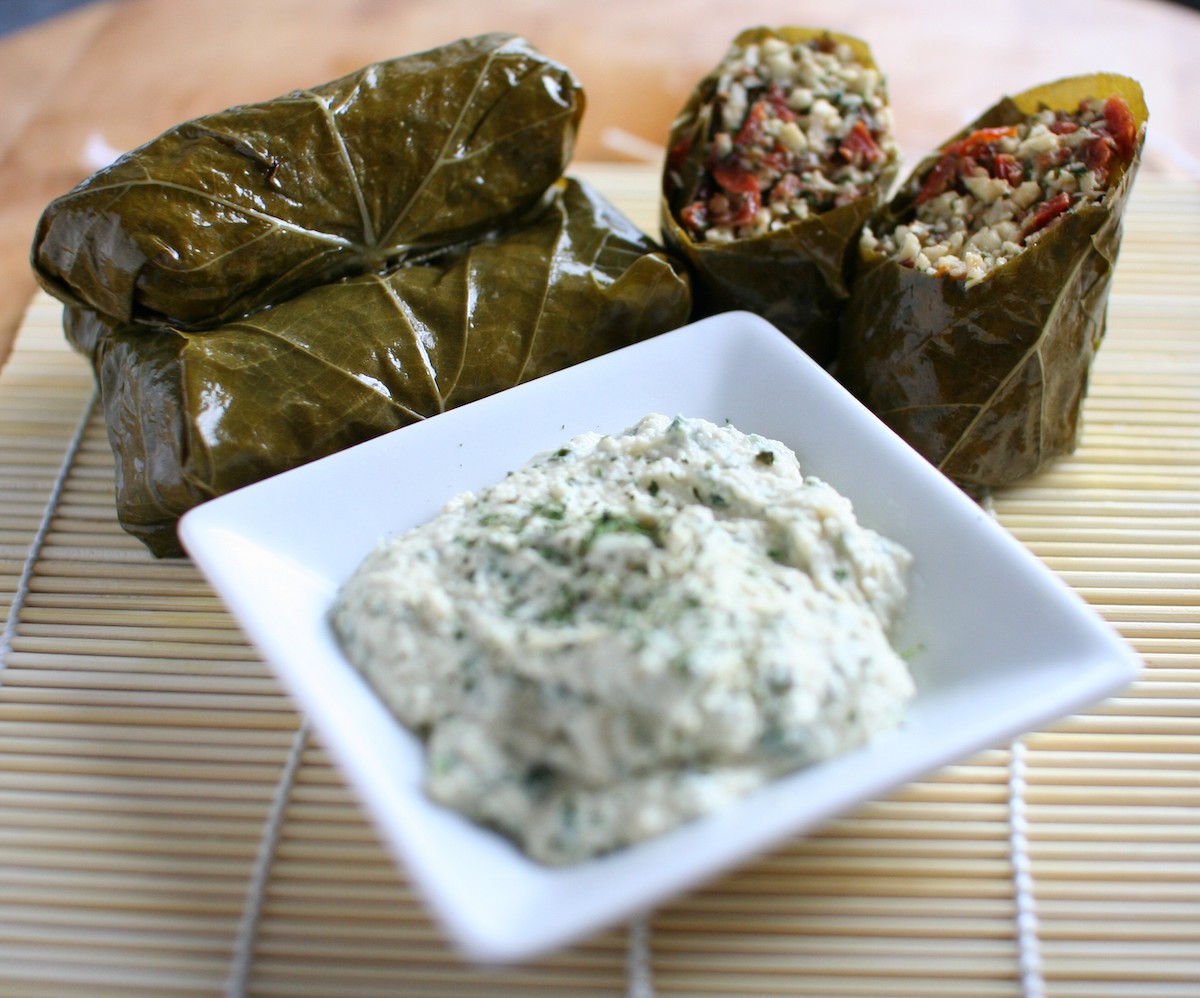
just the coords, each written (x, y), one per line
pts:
(1002, 645)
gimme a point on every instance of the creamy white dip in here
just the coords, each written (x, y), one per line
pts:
(629, 632)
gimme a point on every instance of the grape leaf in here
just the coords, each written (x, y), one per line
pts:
(239, 210)
(192, 414)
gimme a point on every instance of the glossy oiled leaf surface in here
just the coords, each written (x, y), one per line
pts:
(195, 414)
(987, 382)
(238, 210)
(796, 277)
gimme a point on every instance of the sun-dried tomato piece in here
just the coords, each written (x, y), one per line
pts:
(940, 179)
(1121, 126)
(754, 127)
(1005, 166)
(859, 146)
(1096, 156)
(1046, 213)
(735, 178)
(980, 138)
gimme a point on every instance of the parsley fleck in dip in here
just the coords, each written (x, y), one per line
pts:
(801, 127)
(629, 632)
(995, 192)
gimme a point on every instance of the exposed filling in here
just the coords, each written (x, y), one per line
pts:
(997, 191)
(799, 129)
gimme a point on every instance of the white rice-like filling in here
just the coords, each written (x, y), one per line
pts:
(807, 123)
(983, 221)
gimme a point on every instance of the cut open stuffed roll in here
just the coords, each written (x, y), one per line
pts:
(981, 290)
(780, 154)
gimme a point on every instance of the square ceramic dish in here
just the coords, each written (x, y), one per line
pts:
(1002, 645)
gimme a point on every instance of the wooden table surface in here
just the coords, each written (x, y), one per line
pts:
(110, 76)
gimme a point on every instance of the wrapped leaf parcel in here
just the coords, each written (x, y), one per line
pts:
(490, 275)
(239, 210)
(773, 165)
(981, 292)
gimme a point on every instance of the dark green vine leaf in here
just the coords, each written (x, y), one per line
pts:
(239, 210)
(195, 414)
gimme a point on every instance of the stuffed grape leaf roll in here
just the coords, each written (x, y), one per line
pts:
(192, 414)
(776, 160)
(268, 285)
(242, 209)
(980, 297)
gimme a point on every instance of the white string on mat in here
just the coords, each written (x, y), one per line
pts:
(637, 960)
(21, 594)
(243, 944)
(640, 982)
(1029, 956)
(1029, 951)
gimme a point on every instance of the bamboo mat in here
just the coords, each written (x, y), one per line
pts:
(168, 827)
